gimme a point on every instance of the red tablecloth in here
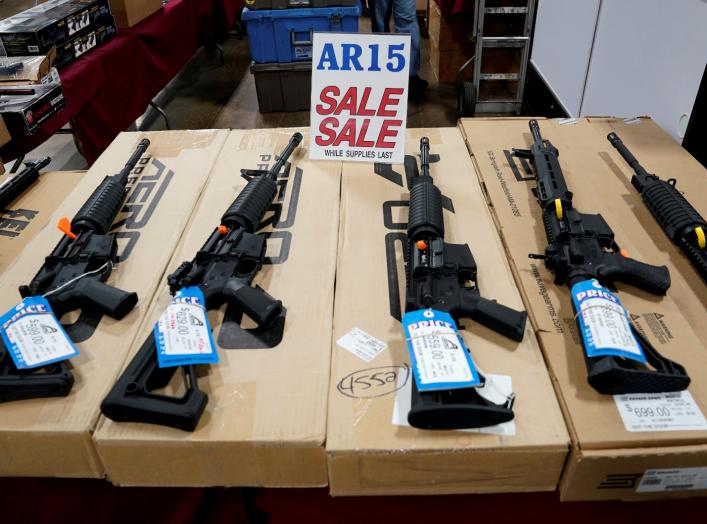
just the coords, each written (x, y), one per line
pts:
(111, 86)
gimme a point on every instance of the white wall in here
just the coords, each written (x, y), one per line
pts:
(564, 30)
(647, 58)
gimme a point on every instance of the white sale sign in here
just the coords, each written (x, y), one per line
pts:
(359, 97)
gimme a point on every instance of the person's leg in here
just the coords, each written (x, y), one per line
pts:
(406, 22)
(378, 15)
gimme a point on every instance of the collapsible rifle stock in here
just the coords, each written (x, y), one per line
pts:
(680, 221)
(72, 277)
(223, 269)
(582, 247)
(14, 186)
(443, 277)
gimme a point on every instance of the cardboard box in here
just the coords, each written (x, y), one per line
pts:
(26, 107)
(19, 70)
(265, 420)
(607, 460)
(368, 455)
(446, 64)
(36, 30)
(5, 136)
(52, 437)
(447, 55)
(130, 12)
(30, 213)
(440, 32)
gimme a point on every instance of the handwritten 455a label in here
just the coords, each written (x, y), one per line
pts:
(439, 358)
(33, 336)
(183, 333)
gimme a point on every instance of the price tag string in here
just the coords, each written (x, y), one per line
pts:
(108, 264)
(601, 306)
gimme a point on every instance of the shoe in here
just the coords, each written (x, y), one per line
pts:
(417, 83)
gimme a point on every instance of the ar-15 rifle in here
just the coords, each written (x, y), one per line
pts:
(680, 221)
(73, 277)
(443, 276)
(14, 186)
(582, 247)
(223, 269)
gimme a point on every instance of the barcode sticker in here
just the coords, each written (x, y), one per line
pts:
(365, 346)
(647, 412)
(677, 479)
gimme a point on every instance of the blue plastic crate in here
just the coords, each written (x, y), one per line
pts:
(285, 35)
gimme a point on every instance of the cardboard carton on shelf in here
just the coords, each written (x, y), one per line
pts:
(370, 455)
(614, 456)
(128, 13)
(265, 421)
(36, 30)
(51, 437)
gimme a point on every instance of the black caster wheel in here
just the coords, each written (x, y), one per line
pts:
(466, 103)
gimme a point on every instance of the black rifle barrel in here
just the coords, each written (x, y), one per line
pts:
(133, 160)
(250, 206)
(101, 208)
(535, 130)
(285, 155)
(425, 156)
(627, 155)
(426, 218)
(13, 187)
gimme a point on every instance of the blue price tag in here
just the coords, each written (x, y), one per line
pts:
(183, 334)
(604, 322)
(33, 335)
(439, 358)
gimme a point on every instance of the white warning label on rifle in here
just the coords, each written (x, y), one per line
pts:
(646, 412)
(183, 334)
(678, 479)
(365, 346)
(33, 336)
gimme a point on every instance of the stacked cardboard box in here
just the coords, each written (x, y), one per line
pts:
(622, 447)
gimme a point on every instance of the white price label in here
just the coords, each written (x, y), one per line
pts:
(184, 329)
(660, 412)
(439, 358)
(34, 336)
(183, 334)
(608, 325)
(677, 479)
(361, 344)
(603, 322)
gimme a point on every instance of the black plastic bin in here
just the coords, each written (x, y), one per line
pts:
(283, 86)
